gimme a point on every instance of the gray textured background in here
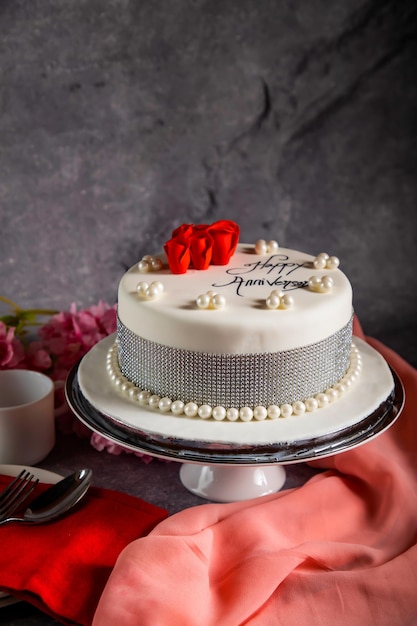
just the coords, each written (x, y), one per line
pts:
(121, 119)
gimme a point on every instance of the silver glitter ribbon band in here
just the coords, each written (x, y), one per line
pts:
(234, 380)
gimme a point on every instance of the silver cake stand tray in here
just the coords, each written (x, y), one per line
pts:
(231, 461)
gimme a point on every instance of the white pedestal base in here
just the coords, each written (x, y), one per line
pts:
(232, 483)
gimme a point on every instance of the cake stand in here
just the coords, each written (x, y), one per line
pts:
(231, 461)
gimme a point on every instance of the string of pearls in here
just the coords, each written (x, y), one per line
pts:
(232, 414)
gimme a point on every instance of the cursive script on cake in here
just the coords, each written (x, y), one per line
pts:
(273, 272)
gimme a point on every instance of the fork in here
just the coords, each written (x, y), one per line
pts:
(16, 493)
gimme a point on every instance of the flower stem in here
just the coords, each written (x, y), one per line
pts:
(11, 304)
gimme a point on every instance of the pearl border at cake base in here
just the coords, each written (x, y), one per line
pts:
(369, 409)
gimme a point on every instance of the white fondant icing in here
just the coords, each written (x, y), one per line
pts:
(244, 326)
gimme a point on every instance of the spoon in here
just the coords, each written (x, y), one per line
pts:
(56, 500)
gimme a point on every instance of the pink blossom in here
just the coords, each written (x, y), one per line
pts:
(11, 350)
(100, 443)
(68, 425)
(77, 331)
(108, 321)
(69, 335)
(37, 357)
(66, 338)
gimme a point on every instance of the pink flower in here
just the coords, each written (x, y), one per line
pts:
(69, 335)
(11, 350)
(37, 357)
(100, 443)
(108, 321)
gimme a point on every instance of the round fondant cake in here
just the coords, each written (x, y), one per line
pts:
(212, 329)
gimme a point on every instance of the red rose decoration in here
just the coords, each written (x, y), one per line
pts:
(178, 254)
(185, 230)
(201, 245)
(226, 236)
(201, 249)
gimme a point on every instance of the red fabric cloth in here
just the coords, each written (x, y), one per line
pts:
(62, 567)
(340, 550)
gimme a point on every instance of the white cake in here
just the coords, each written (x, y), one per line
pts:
(267, 335)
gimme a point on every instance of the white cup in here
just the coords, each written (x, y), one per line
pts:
(27, 420)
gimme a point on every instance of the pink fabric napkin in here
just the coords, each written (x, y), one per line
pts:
(340, 550)
(62, 567)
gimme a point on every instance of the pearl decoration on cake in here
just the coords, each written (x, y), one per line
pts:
(143, 397)
(273, 411)
(266, 247)
(232, 414)
(133, 393)
(279, 300)
(203, 301)
(298, 407)
(273, 300)
(287, 301)
(286, 410)
(311, 405)
(332, 263)
(324, 261)
(165, 404)
(326, 283)
(246, 414)
(218, 301)
(204, 411)
(177, 407)
(320, 284)
(260, 413)
(211, 300)
(190, 409)
(148, 291)
(150, 263)
(322, 400)
(218, 413)
(332, 394)
(154, 401)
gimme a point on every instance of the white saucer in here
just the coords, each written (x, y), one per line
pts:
(44, 476)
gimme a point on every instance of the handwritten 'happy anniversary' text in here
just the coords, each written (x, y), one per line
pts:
(273, 272)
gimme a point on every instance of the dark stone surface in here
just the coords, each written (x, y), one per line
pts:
(121, 120)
